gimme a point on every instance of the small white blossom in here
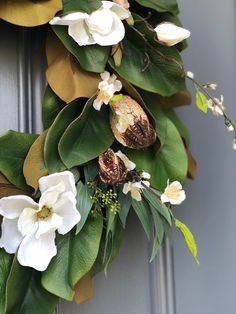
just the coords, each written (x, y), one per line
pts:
(103, 26)
(29, 228)
(135, 189)
(107, 88)
(212, 86)
(145, 175)
(173, 193)
(128, 163)
(230, 128)
(170, 34)
(234, 144)
(217, 110)
(190, 74)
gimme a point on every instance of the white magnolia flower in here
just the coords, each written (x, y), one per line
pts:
(170, 34)
(217, 110)
(128, 163)
(103, 26)
(107, 88)
(28, 228)
(135, 189)
(173, 193)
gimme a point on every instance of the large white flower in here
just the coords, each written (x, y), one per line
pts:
(107, 88)
(173, 193)
(170, 34)
(28, 228)
(103, 26)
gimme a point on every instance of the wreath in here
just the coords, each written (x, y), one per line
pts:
(111, 144)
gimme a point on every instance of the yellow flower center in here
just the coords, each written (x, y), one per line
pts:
(172, 193)
(45, 212)
(103, 96)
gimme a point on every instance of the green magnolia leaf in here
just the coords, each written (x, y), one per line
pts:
(154, 69)
(189, 238)
(170, 113)
(161, 5)
(92, 58)
(82, 6)
(155, 202)
(25, 293)
(158, 234)
(86, 137)
(201, 101)
(76, 255)
(125, 201)
(64, 118)
(14, 148)
(51, 106)
(142, 210)
(84, 203)
(5, 267)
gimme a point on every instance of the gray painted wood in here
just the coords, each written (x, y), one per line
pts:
(210, 206)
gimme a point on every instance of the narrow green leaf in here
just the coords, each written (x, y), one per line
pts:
(125, 201)
(158, 232)
(92, 58)
(86, 137)
(14, 148)
(76, 255)
(201, 101)
(189, 238)
(84, 203)
(142, 210)
(64, 118)
(155, 202)
(25, 294)
(51, 106)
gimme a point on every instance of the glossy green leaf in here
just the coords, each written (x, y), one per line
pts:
(5, 267)
(84, 203)
(153, 69)
(86, 137)
(76, 255)
(142, 210)
(201, 101)
(82, 6)
(158, 232)
(161, 5)
(51, 106)
(65, 117)
(189, 238)
(155, 202)
(25, 293)
(14, 148)
(92, 58)
(125, 201)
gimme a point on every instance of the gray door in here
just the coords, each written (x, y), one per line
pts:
(134, 286)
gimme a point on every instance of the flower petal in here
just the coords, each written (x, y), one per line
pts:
(105, 76)
(27, 221)
(115, 35)
(128, 163)
(12, 206)
(37, 253)
(65, 177)
(117, 9)
(97, 104)
(66, 208)
(11, 237)
(68, 19)
(51, 223)
(50, 196)
(126, 188)
(80, 34)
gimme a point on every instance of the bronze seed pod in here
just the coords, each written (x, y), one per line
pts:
(130, 124)
(112, 168)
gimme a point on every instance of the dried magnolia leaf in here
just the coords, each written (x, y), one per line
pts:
(182, 98)
(64, 74)
(34, 167)
(8, 189)
(28, 12)
(84, 289)
(192, 165)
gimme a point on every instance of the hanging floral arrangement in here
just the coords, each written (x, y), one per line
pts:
(112, 144)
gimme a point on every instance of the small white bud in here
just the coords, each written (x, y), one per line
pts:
(190, 74)
(234, 144)
(170, 34)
